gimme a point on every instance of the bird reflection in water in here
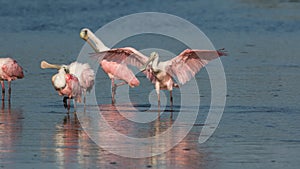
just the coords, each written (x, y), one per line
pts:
(70, 142)
(186, 154)
(10, 131)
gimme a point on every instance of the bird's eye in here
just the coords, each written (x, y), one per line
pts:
(66, 70)
(85, 31)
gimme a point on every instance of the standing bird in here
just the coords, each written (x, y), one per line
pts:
(85, 75)
(183, 67)
(115, 70)
(9, 70)
(67, 85)
(81, 71)
(162, 74)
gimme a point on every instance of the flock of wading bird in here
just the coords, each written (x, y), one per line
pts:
(74, 80)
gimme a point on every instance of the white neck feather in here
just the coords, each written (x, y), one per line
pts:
(98, 43)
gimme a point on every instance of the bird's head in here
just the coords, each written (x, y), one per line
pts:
(64, 69)
(152, 57)
(59, 81)
(84, 34)
(90, 38)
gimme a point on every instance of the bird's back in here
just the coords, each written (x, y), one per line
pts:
(84, 73)
(120, 71)
(10, 69)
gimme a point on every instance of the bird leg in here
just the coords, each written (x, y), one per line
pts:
(171, 104)
(113, 91)
(84, 98)
(3, 90)
(74, 103)
(9, 90)
(120, 84)
(69, 104)
(171, 99)
(3, 105)
(66, 101)
(157, 88)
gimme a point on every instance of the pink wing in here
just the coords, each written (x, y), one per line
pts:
(124, 56)
(12, 69)
(189, 62)
(74, 87)
(88, 77)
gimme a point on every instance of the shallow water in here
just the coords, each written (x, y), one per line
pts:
(259, 127)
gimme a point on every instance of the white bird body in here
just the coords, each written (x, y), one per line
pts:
(72, 80)
(64, 82)
(67, 85)
(84, 73)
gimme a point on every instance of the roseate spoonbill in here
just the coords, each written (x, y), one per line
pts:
(10, 70)
(183, 67)
(82, 71)
(67, 85)
(114, 69)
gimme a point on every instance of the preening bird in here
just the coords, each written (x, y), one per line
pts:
(9, 70)
(162, 74)
(67, 85)
(114, 69)
(80, 71)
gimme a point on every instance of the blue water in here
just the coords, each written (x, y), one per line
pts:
(260, 124)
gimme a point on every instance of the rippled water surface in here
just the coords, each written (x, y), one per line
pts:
(260, 125)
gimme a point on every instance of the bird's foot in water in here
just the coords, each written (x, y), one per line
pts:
(65, 101)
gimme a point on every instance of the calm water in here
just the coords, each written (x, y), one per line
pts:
(260, 125)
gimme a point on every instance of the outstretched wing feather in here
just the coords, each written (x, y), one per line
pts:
(189, 62)
(126, 55)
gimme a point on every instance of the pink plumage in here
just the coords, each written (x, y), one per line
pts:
(9, 70)
(67, 85)
(72, 88)
(162, 74)
(190, 61)
(119, 71)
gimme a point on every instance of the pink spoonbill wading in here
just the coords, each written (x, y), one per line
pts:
(183, 67)
(114, 62)
(10, 70)
(116, 69)
(162, 74)
(72, 80)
